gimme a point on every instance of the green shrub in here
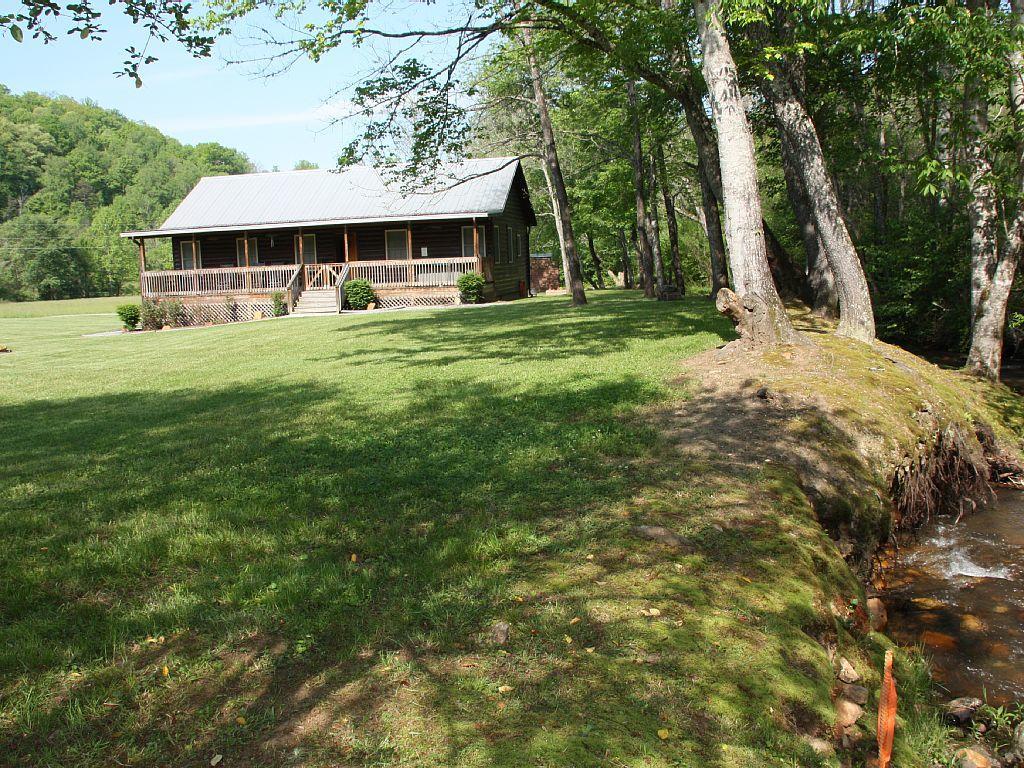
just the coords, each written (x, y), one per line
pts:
(130, 315)
(471, 288)
(153, 316)
(280, 307)
(359, 293)
(174, 313)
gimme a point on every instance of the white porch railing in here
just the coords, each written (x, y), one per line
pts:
(292, 279)
(412, 273)
(217, 281)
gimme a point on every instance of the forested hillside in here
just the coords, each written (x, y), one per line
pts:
(73, 176)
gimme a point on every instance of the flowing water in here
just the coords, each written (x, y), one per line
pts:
(958, 590)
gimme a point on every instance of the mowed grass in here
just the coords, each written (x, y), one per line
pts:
(102, 305)
(286, 543)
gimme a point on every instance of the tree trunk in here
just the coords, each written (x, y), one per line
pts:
(627, 267)
(598, 266)
(645, 250)
(558, 223)
(654, 232)
(787, 279)
(821, 285)
(856, 318)
(670, 220)
(992, 271)
(713, 230)
(762, 317)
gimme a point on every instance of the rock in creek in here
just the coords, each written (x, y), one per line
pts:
(1018, 740)
(877, 615)
(847, 673)
(961, 711)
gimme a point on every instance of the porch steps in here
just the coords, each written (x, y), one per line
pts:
(317, 302)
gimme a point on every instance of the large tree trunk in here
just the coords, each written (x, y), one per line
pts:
(558, 223)
(645, 249)
(573, 277)
(598, 266)
(761, 316)
(654, 232)
(992, 271)
(671, 222)
(821, 292)
(856, 318)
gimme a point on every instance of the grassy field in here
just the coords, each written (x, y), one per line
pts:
(285, 543)
(103, 305)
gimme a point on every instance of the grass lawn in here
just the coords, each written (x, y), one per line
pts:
(102, 305)
(286, 543)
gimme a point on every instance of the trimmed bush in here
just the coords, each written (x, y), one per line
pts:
(280, 307)
(130, 315)
(471, 288)
(153, 316)
(359, 293)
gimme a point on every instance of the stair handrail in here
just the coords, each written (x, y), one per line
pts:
(339, 287)
(290, 288)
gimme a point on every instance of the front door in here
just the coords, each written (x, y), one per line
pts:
(305, 249)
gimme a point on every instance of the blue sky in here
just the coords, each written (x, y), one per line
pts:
(276, 121)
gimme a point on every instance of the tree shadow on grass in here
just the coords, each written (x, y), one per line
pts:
(518, 333)
(213, 532)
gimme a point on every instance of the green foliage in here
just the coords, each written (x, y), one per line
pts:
(130, 315)
(174, 312)
(38, 260)
(359, 293)
(153, 315)
(88, 174)
(471, 288)
(280, 306)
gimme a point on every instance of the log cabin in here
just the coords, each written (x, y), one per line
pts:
(239, 240)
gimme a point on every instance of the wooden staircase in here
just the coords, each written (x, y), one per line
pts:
(317, 301)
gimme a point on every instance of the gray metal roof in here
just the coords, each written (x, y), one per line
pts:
(475, 187)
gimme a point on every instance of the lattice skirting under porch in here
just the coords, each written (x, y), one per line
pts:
(206, 312)
(440, 299)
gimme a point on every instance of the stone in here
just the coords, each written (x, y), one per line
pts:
(848, 712)
(762, 393)
(820, 746)
(847, 673)
(972, 757)
(878, 617)
(500, 632)
(1017, 746)
(971, 623)
(961, 711)
(938, 640)
(661, 534)
(858, 694)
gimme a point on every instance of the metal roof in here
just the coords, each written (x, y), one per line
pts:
(356, 194)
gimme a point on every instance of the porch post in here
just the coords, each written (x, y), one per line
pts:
(346, 243)
(245, 251)
(142, 266)
(476, 248)
(408, 249)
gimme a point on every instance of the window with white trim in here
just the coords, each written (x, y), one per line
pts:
(191, 254)
(396, 244)
(519, 246)
(467, 240)
(511, 246)
(308, 249)
(254, 258)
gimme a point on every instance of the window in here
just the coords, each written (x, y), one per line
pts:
(519, 245)
(308, 249)
(396, 244)
(254, 258)
(467, 240)
(511, 246)
(191, 256)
